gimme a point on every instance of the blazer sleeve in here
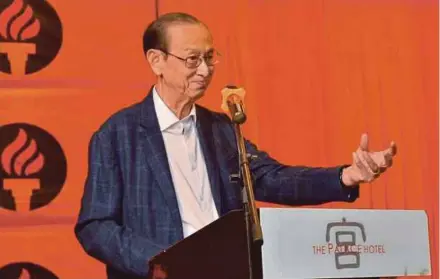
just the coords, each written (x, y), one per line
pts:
(297, 185)
(99, 228)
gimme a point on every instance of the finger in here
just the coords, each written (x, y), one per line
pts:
(369, 163)
(370, 174)
(392, 150)
(364, 173)
(371, 168)
(379, 158)
(364, 142)
(388, 162)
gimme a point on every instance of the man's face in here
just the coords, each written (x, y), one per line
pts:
(190, 41)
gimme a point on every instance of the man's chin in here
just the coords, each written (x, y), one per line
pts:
(197, 93)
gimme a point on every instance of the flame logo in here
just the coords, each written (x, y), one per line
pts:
(18, 22)
(16, 158)
(24, 274)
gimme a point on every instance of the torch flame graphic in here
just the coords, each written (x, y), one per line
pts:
(20, 161)
(16, 27)
(24, 27)
(24, 274)
(22, 165)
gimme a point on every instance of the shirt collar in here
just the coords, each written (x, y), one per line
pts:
(167, 119)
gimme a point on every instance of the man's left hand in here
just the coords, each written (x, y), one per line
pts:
(368, 166)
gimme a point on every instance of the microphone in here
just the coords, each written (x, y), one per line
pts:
(232, 102)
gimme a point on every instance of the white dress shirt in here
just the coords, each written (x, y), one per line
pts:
(187, 166)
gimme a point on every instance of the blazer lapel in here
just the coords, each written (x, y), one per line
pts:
(206, 138)
(154, 149)
(227, 160)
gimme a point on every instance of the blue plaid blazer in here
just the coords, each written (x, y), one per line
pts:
(129, 210)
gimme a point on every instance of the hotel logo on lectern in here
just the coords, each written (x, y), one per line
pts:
(350, 241)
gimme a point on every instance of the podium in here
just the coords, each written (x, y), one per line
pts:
(303, 243)
(217, 251)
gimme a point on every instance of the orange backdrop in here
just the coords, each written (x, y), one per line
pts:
(318, 73)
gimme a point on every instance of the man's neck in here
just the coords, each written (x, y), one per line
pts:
(177, 102)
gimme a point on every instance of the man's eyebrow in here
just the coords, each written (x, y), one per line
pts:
(190, 49)
(198, 50)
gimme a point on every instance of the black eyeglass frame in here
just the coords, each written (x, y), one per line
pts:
(200, 58)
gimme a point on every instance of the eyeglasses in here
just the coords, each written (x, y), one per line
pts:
(193, 61)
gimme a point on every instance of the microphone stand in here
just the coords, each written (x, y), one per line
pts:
(254, 232)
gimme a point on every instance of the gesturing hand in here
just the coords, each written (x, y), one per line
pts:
(367, 165)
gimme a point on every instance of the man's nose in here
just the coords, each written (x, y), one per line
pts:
(203, 68)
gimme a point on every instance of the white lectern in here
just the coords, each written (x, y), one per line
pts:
(334, 243)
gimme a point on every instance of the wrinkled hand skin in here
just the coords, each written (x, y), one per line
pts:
(368, 165)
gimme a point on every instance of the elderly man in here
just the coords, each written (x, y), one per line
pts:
(159, 169)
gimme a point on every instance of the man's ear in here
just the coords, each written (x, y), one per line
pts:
(156, 61)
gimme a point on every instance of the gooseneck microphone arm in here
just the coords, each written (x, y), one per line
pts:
(249, 197)
(233, 101)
